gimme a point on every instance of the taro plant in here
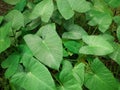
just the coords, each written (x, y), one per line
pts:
(61, 45)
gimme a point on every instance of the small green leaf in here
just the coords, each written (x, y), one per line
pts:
(74, 32)
(4, 38)
(100, 78)
(46, 46)
(97, 45)
(43, 9)
(117, 20)
(11, 63)
(21, 5)
(17, 19)
(1, 19)
(73, 46)
(36, 77)
(100, 15)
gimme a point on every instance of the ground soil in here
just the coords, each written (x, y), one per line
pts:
(4, 7)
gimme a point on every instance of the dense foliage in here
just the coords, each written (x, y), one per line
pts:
(61, 45)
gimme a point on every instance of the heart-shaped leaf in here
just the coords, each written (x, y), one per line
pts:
(36, 77)
(100, 78)
(46, 46)
(17, 19)
(100, 15)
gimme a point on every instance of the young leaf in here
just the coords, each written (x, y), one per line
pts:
(43, 9)
(74, 32)
(36, 77)
(46, 46)
(96, 46)
(11, 63)
(65, 8)
(4, 38)
(100, 78)
(17, 19)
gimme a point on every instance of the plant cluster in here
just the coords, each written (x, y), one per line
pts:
(61, 45)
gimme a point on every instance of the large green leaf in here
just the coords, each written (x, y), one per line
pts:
(67, 79)
(100, 78)
(74, 32)
(67, 7)
(43, 9)
(12, 2)
(100, 15)
(11, 63)
(116, 54)
(17, 19)
(97, 45)
(4, 38)
(46, 46)
(35, 77)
